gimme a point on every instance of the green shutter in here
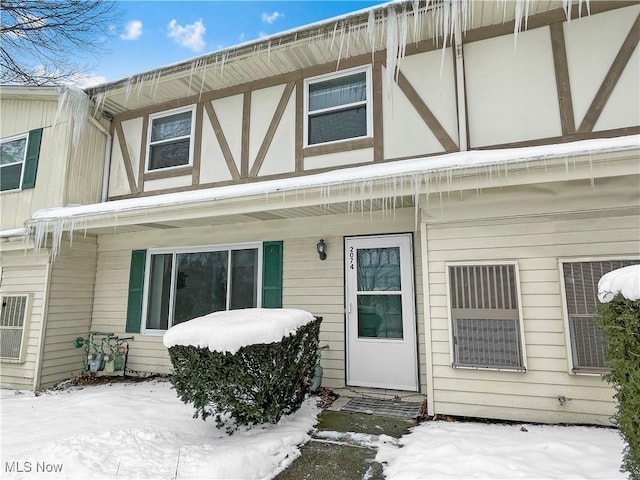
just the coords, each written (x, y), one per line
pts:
(31, 160)
(136, 288)
(272, 275)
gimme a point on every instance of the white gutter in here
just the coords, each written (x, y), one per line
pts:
(14, 232)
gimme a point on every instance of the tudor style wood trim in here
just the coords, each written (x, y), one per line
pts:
(125, 157)
(563, 86)
(617, 132)
(611, 78)
(426, 114)
(271, 131)
(222, 141)
(338, 147)
(197, 146)
(544, 19)
(172, 173)
(299, 133)
(143, 153)
(378, 122)
(246, 124)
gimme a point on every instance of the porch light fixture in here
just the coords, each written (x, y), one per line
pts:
(321, 247)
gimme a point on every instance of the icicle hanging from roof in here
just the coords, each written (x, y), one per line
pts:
(77, 102)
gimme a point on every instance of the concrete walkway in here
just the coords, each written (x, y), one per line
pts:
(344, 444)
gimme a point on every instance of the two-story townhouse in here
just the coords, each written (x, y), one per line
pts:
(51, 155)
(442, 187)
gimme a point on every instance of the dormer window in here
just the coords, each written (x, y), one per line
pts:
(338, 107)
(170, 139)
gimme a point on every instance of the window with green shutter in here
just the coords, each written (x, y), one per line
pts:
(19, 161)
(186, 283)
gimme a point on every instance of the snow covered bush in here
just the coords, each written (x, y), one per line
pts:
(619, 320)
(254, 365)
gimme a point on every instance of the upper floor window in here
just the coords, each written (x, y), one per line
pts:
(581, 301)
(338, 107)
(19, 161)
(170, 140)
(486, 318)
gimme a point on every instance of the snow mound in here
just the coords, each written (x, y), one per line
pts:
(229, 331)
(624, 280)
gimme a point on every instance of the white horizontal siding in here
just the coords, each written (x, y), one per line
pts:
(28, 278)
(536, 243)
(308, 283)
(69, 312)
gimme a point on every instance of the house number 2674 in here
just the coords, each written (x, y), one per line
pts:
(351, 258)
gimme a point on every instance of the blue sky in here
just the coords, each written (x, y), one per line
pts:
(155, 33)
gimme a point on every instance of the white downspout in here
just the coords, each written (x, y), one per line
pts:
(107, 160)
(460, 89)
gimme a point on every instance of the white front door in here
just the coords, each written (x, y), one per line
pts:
(380, 306)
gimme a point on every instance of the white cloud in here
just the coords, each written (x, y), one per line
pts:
(190, 36)
(133, 30)
(271, 17)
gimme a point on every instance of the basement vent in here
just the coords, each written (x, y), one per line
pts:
(12, 321)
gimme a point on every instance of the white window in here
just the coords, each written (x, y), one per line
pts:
(338, 107)
(486, 317)
(183, 284)
(170, 139)
(580, 279)
(13, 317)
(13, 152)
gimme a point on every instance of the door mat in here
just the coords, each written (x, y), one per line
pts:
(384, 408)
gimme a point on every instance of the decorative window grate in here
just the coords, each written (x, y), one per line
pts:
(485, 315)
(12, 321)
(581, 294)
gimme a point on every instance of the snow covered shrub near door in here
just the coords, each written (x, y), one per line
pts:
(255, 365)
(619, 319)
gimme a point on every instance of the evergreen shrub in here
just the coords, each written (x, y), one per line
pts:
(620, 323)
(258, 384)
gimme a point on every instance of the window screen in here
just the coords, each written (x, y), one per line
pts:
(485, 316)
(581, 294)
(170, 141)
(337, 109)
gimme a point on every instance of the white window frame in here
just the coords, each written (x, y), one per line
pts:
(565, 309)
(329, 76)
(196, 249)
(191, 136)
(24, 159)
(25, 327)
(523, 348)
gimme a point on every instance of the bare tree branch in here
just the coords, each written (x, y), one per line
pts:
(41, 40)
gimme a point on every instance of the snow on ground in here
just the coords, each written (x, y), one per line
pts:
(143, 431)
(137, 431)
(624, 280)
(230, 330)
(443, 450)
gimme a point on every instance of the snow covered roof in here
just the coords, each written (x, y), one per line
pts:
(392, 179)
(625, 281)
(388, 27)
(229, 331)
